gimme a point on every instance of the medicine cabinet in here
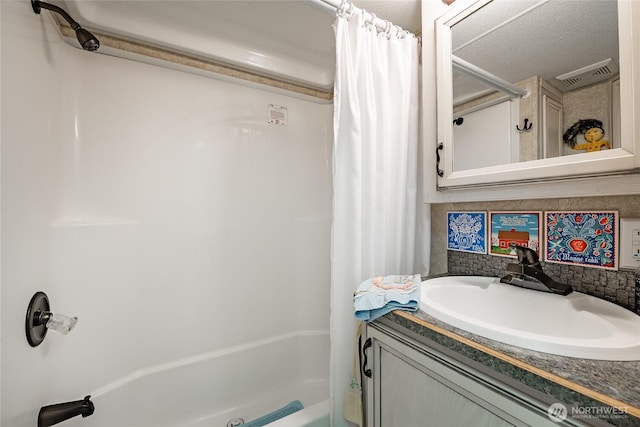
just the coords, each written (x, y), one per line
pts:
(514, 77)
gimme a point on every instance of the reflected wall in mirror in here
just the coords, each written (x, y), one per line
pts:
(525, 72)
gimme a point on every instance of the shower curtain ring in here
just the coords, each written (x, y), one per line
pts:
(371, 21)
(345, 8)
(387, 28)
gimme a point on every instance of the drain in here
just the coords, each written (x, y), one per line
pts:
(235, 422)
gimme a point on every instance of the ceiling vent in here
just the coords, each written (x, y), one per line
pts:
(590, 74)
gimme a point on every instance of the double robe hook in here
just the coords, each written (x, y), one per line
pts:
(525, 127)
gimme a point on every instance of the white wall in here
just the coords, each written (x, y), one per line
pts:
(157, 206)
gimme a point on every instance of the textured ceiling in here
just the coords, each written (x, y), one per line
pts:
(515, 40)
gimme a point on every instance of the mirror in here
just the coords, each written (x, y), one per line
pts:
(562, 53)
(533, 82)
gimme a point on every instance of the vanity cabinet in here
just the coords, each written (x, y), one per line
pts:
(412, 384)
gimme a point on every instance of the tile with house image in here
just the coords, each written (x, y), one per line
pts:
(508, 228)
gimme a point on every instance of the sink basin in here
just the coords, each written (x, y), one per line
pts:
(576, 325)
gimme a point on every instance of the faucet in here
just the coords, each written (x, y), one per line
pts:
(528, 273)
(54, 414)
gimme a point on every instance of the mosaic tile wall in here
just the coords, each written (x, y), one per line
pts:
(616, 286)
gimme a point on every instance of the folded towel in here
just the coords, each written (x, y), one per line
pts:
(378, 296)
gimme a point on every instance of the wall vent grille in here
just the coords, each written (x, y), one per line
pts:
(590, 74)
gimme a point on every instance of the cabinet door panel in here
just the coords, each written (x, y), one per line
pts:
(413, 385)
(418, 399)
(552, 133)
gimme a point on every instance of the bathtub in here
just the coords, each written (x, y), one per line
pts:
(314, 416)
(220, 388)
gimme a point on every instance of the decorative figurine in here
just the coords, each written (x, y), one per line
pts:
(593, 133)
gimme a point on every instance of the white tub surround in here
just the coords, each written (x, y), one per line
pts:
(160, 207)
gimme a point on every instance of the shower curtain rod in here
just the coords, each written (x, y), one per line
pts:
(331, 6)
(485, 76)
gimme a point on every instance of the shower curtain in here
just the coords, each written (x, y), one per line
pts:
(380, 224)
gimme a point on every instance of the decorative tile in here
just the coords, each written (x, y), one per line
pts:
(518, 227)
(467, 232)
(588, 238)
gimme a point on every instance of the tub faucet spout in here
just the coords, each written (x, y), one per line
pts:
(54, 414)
(528, 274)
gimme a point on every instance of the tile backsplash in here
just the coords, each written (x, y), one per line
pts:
(613, 285)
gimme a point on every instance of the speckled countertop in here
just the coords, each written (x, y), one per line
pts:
(573, 381)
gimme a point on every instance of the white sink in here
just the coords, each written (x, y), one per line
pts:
(576, 325)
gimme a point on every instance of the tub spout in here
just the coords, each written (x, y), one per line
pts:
(54, 414)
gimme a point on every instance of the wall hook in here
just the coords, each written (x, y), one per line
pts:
(39, 319)
(525, 128)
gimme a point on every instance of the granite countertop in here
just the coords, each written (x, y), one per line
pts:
(578, 382)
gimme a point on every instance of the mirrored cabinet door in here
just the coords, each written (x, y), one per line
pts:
(536, 90)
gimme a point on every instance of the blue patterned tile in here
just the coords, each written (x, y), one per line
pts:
(467, 231)
(587, 238)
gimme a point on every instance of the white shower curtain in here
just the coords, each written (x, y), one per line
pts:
(380, 224)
